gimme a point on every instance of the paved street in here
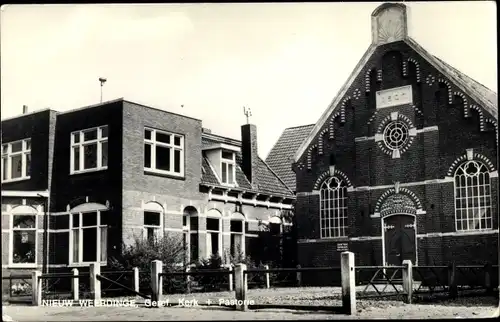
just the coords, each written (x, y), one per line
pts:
(28, 313)
(464, 307)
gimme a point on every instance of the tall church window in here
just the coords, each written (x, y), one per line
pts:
(472, 197)
(333, 208)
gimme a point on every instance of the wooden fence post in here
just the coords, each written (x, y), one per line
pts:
(95, 284)
(156, 280)
(348, 283)
(268, 282)
(299, 277)
(408, 280)
(136, 278)
(487, 278)
(452, 281)
(36, 288)
(75, 285)
(230, 268)
(240, 285)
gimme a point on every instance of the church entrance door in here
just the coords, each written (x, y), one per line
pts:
(399, 239)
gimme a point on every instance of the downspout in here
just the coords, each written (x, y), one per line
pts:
(45, 261)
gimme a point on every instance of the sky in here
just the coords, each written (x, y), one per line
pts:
(284, 61)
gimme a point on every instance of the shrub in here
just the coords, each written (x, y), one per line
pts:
(141, 252)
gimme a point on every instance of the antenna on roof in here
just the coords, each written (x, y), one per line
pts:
(247, 112)
(102, 80)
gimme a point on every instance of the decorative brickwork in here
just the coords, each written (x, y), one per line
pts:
(403, 194)
(327, 174)
(463, 158)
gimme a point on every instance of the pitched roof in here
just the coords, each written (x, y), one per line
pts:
(280, 157)
(480, 93)
(267, 181)
(486, 97)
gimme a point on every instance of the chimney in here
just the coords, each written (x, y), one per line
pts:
(249, 152)
(25, 109)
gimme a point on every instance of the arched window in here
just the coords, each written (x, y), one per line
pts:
(275, 226)
(214, 232)
(153, 221)
(333, 208)
(190, 232)
(472, 197)
(237, 230)
(23, 236)
(88, 233)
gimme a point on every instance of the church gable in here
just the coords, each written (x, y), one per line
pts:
(395, 72)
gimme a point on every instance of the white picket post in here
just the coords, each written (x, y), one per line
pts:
(348, 283)
(75, 284)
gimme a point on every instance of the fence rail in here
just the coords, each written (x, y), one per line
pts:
(22, 290)
(406, 282)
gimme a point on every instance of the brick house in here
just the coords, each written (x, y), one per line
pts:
(77, 185)
(402, 164)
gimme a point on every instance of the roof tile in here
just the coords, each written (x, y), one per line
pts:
(280, 158)
(267, 181)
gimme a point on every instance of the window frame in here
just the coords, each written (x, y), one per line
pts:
(99, 141)
(476, 187)
(11, 239)
(238, 218)
(171, 146)
(158, 229)
(226, 163)
(8, 155)
(334, 222)
(187, 231)
(208, 245)
(99, 228)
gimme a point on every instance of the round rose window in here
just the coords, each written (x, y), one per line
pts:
(396, 135)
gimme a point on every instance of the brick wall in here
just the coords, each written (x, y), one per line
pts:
(97, 186)
(39, 127)
(443, 136)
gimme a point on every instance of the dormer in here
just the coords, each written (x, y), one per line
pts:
(222, 158)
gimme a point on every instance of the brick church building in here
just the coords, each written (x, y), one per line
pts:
(402, 164)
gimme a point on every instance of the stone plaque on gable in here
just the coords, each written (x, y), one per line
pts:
(394, 96)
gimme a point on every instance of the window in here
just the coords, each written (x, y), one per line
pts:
(152, 225)
(237, 246)
(396, 135)
(88, 238)
(228, 167)
(16, 160)
(89, 150)
(163, 152)
(190, 228)
(24, 239)
(274, 229)
(213, 236)
(472, 197)
(333, 208)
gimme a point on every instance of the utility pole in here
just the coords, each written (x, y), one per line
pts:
(102, 80)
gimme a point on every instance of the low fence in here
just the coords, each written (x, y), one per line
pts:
(17, 288)
(92, 285)
(455, 280)
(239, 276)
(405, 282)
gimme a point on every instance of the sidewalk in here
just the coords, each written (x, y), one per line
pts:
(30, 313)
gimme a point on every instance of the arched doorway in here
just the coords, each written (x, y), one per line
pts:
(399, 230)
